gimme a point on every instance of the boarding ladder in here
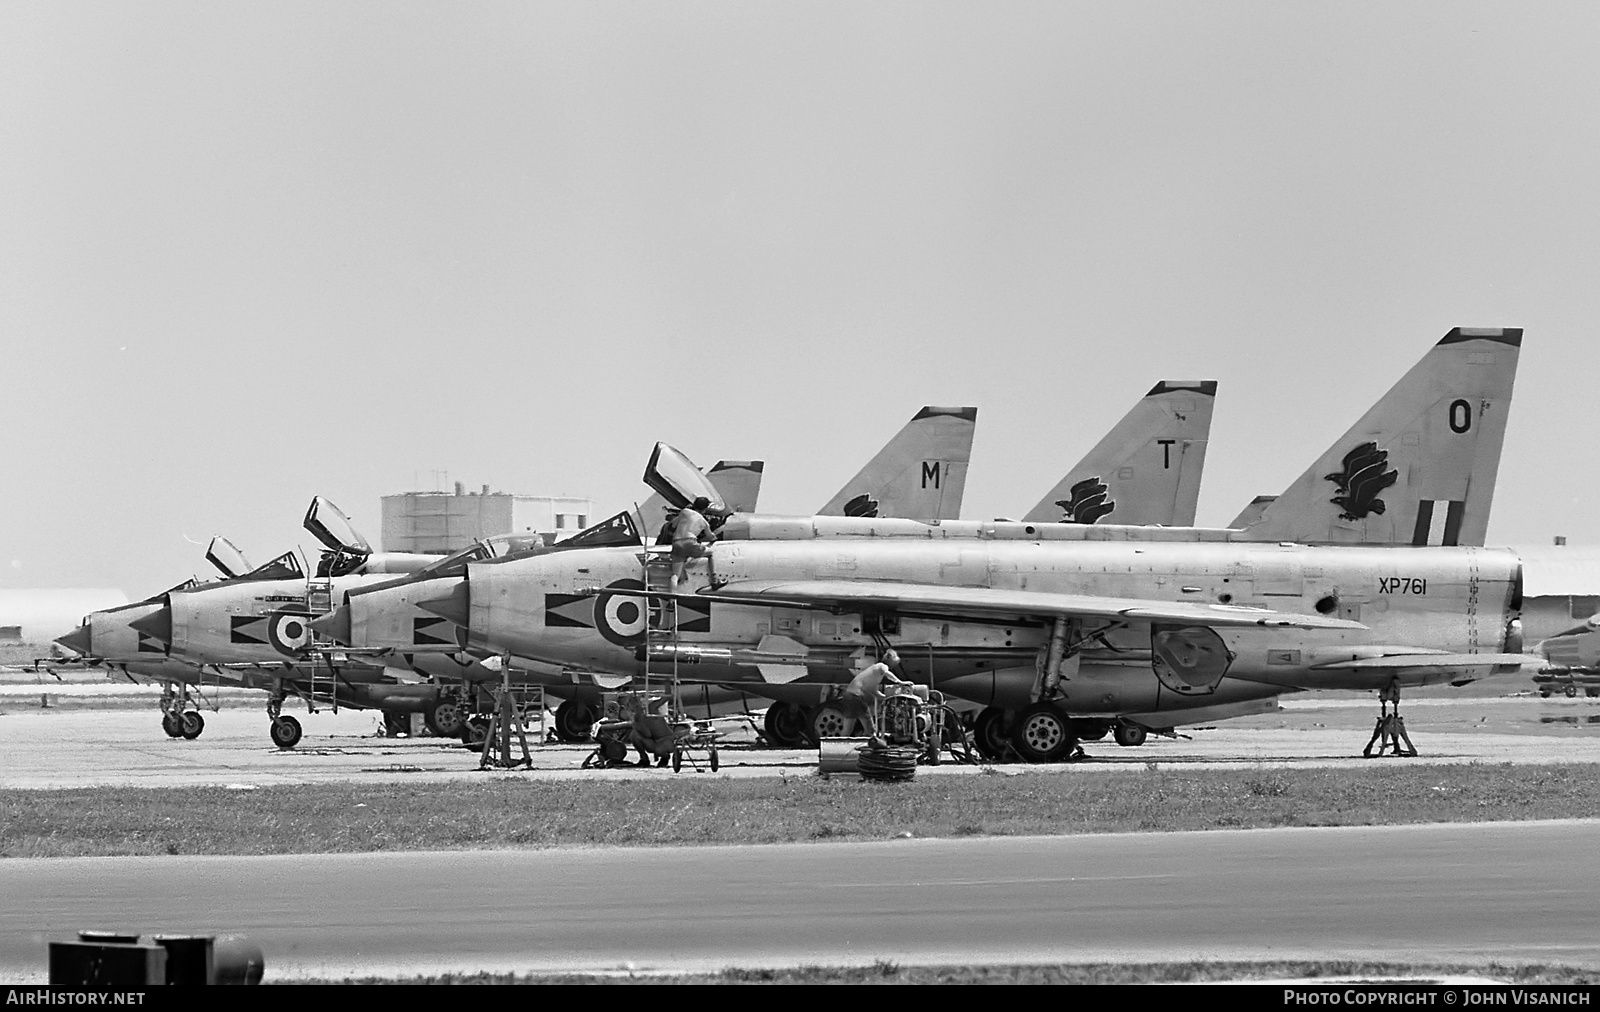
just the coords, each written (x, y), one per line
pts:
(661, 640)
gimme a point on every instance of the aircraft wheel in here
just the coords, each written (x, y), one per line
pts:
(992, 733)
(713, 760)
(1129, 735)
(677, 759)
(443, 718)
(1544, 693)
(171, 725)
(190, 724)
(1043, 733)
(1572, 690)
(785, 725)
(1090, 730)
(574, 721)
(285, 732)
(473, 730)
(828, 721)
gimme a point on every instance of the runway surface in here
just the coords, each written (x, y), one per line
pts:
(77, 742)
(1500, 891)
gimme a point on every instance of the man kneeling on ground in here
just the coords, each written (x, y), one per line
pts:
(652, 735)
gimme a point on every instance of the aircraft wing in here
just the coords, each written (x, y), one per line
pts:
(930, 601)
(1421, 660)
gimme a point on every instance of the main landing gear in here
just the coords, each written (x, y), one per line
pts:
(787, 725)
(284, 730)
(179, 717)
(1391, 729)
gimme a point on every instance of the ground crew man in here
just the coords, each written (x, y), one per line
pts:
(651, 735)
(865, 691)
(691, 538)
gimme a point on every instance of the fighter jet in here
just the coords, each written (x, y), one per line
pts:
(1120, 620)
(250, 629)
(923, 467)
(1155, 454)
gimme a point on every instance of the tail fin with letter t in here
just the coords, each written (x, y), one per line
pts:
(1147, 469)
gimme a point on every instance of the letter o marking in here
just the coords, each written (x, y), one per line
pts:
(1460, 415)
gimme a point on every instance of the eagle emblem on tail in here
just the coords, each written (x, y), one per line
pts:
(1365, 474)
(862, 505)
(1088, 503)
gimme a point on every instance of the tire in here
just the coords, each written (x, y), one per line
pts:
(992, 733)
(1043, 734)
(1591, 692)
(574, 722)
(285, 732)
(677, 759)
(1130, 735)
(443, 718)
(785, 725)
(473, 730)
(828, 721)
(1544, 693)
(1091, 730)
(934, 745)
(714, 764)
(171, 725)
(1572, 690)
(190, 724)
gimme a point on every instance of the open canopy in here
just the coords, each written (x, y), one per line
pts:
(675, 478)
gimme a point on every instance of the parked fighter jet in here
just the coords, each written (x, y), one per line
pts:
(1155, 453)
(923, 466)
(988, 615)
(249, 629)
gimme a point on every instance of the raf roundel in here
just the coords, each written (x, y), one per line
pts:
(621, 618)
(290, 632)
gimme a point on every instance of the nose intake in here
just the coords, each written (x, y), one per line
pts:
(335, 625)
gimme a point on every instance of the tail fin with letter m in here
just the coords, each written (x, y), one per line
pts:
(921, 474)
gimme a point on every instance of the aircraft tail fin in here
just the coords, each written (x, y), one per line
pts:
(1419, 468)
(1147, 468)
(739, 481)
(1251, 513)
(921, 474)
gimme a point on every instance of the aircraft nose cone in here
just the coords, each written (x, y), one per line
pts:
(335, 625)
(457, 607)
(156, 625)
(78, 640)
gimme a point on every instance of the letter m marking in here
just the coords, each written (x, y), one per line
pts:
(930, 469)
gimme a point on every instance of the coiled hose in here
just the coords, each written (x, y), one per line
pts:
(888, 762)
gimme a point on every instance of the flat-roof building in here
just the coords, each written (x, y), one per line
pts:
(436, 523)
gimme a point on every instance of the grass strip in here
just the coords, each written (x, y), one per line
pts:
(505, 812)
(1065, 973)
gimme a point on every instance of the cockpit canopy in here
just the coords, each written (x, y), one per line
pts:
(284, 567)
(227, 557)
(617, 530)
(675, 478)
(346, 548)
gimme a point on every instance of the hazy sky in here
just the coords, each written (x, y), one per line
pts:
(254, 252)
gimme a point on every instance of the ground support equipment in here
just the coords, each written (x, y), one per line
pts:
(1391, 728)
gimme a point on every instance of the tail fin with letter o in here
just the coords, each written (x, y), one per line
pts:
(1419, 468)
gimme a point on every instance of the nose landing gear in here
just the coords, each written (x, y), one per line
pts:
(284, 730)
(179, 716)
